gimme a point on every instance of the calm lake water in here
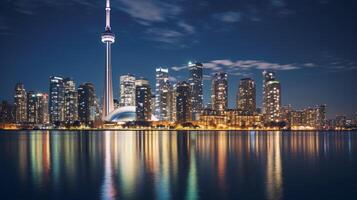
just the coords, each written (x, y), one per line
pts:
(178, 165)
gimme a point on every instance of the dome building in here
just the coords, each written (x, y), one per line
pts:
(124, 114)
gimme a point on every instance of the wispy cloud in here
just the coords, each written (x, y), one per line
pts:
(176, 68)
(229, 17)
(164, 35)
(30, 7)
(241, 67)
(247, 64)
(148, 11)
(278, 3)
(186, 27)
(159, 19)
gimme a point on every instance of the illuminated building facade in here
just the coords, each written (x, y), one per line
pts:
(127, 90)
(71, 101)
(231, 118)
(172, 103)
(7, 112)
(246, 96)
(285, 114)
(57, 100)
(311, 118)
(183, 102)
(219, 96)
(271, 97)
(340, 121)
(37, 108)
(143, 100)
(162, 94)
(87, 105)
(196, 82)
(296, 118)
(20, 103)
(32, 106)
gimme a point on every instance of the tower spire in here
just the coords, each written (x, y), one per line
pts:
(107, 12)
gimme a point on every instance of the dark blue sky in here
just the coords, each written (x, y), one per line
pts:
(311, 44)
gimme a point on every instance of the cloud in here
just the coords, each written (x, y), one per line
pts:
(175, 68)
(186, 27)
(278, 3)
(168, 36)
(310, 65)
(247, 64)
(228, 17)
(29, 7)
(149, 11)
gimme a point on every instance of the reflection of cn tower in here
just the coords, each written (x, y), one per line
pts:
(108, 38)
(108, 189)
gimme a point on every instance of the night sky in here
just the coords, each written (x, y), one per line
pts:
(311, 44)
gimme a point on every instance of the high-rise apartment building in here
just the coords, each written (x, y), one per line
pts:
(183, 102)
(127, 90)
(20, 103)
(271, 97)
(37, 108)
(162, 94)
(143, 100)
(196, 82)
(7, 112)
(246, 96)
(219, 95)
(57, 100)
(71, 101)
(172, 103)
(87, 107)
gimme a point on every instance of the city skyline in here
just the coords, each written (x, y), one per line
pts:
(324, 70)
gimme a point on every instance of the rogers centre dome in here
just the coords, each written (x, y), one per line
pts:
(124, 114)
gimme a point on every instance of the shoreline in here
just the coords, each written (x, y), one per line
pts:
(161, 130)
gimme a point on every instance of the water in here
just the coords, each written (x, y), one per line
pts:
(178, 165)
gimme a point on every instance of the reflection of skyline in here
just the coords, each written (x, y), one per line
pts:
(162, 165)
(274, 172)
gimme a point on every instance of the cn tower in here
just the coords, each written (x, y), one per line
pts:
(108, 38)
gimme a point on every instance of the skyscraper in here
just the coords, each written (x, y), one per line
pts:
(37, 108)
(183, 102)
(86, 103)
(172, 103)
(143, 100)
(57, 100)
(7, 112)
(71, 101)
(321, 116)
(219, 91)
(43, 117)
(32, 106)
(127, 90)
(271, 97)
(246, 96)
(20, 103)
(108, 38)
(196, 82)
(162, 91)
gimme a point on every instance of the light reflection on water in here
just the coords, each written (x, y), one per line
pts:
(171, 165)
